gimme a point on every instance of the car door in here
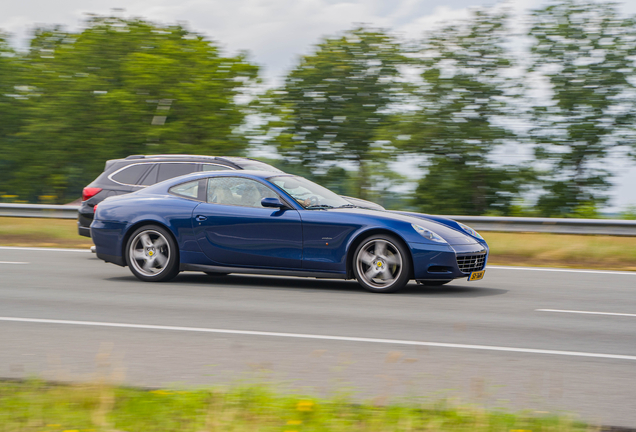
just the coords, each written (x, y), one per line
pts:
(326, 236)
(233, 229)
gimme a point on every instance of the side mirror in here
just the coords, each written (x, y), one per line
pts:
(273, 202)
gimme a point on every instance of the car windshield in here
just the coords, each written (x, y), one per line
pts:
(308, 194)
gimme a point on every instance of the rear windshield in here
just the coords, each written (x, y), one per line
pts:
(248, 164)
(213, 167)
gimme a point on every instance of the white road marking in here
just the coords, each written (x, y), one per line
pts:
(12, 262)
(322, 337)
(586, 312)
(562, 270)
(43, 249)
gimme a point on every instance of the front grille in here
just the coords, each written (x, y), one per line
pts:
(471, 263)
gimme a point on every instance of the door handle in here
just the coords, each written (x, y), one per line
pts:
(201, 218)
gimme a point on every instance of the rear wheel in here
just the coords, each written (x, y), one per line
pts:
(381, 264)
(151, 254)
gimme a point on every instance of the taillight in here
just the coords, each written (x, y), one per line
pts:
(95, 208)
(90, 192)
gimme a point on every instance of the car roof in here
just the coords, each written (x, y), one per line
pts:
(231, 161)
(186, 156)
(135, 159)
(241, 173)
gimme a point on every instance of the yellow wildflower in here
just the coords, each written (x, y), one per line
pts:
(305, 405)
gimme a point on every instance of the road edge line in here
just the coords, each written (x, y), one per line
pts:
(322, 337)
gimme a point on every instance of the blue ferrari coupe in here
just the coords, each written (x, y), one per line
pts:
(259, 222)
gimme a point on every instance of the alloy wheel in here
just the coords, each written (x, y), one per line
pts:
(149, 253)
(379, 263)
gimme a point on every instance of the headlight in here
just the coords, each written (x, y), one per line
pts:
(428, 234)
(470, 231)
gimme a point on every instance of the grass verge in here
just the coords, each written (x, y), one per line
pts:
(37, 406)
(562, 250)
(526, 249)
(40, 232)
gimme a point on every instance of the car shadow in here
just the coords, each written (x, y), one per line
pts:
(332, 285)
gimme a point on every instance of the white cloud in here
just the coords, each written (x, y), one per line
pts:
(276, 32)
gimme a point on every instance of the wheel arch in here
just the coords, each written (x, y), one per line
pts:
(141, 223)
(360, 237)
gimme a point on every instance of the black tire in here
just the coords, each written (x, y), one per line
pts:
(382, 264)
(214, 274)
(143, 250)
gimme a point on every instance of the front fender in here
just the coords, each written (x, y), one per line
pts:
(441, 220)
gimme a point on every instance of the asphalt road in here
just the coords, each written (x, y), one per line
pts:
(516, 339)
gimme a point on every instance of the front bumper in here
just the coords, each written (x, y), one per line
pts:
(439, 262)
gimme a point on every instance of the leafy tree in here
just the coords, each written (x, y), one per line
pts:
(122, 87)
(12, 108)
(333, 104)
(464, 92)
(448, 189)
(584, 50)
(629, 213)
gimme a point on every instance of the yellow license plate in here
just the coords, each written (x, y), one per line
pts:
(476, 275)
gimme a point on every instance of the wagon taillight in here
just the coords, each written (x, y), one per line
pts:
(90, 192)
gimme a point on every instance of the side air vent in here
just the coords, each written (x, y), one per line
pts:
(439, 269)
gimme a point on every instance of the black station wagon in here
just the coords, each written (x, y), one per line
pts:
(123, 176)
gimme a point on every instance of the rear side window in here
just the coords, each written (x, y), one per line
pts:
(238, 191)
(151, 177)
(130, 175)
(170, 170)
(192, 189)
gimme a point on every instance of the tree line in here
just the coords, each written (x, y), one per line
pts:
(494, 121)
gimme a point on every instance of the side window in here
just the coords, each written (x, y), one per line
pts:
(188, 190)
(151, 177)
(171, 170)
(131, 174)
(212, 167)
(238, 191)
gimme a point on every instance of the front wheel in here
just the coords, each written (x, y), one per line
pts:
(381, 264)
(151, 254)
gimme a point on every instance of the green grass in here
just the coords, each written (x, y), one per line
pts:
(41, 232)
(38, 406)
(534, 249)
(562, 250)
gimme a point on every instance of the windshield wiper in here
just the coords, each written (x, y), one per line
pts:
(318, 207)
(348, 206)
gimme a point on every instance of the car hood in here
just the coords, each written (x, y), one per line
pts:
(452, 235)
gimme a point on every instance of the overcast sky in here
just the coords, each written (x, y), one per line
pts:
(276, 32)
